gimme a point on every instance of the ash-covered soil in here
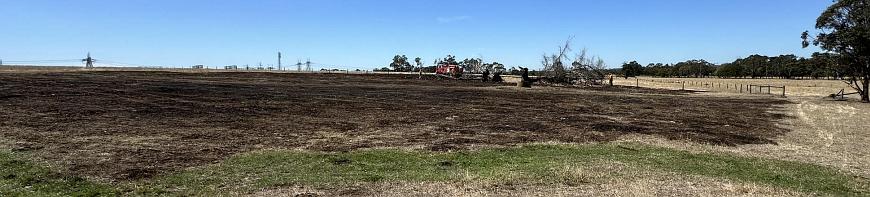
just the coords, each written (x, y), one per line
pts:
(133, 125)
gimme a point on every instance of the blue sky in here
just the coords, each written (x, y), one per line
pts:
(366, 34)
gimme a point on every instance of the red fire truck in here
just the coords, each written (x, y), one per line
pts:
(448, 70)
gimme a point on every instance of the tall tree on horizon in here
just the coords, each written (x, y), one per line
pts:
(632, 69)
(400, 63)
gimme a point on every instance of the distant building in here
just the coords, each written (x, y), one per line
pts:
(233, 67)
(198, 66)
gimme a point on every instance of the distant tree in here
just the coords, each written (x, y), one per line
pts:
(632, 69)
(755, 65)
(826, 65)
(478, 65)
(474, 65)
(729, 70)
(497, 70)
(514, 71)
(496, 67)
(487, 67)
(449, 60)
(695, 68)
(847, 23)
(400, 63)
(659, 70)
(419, 62)
(783, 66)
(466, 65)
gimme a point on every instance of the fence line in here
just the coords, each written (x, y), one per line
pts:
(720, 86)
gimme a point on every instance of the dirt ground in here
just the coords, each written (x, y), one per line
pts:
(132, 125)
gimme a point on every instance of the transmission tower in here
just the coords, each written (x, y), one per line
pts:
(89, 62)
(298, 65)
(308, 65)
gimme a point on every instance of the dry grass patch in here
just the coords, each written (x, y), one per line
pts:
(801, 88)
(828, 133)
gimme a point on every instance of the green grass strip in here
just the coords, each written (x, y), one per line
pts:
(20, 177)
(528, 164)
(536, 164)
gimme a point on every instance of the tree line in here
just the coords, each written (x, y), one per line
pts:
(843, 35)
(818, 66)
(472, 65)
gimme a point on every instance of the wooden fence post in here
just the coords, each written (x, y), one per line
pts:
(783, 91)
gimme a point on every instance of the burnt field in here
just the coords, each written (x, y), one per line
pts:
(134, 125)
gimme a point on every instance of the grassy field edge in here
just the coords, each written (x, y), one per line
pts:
(21, 176)
(530, 164)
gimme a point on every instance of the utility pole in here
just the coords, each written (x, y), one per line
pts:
(89, 62)
(279, 61)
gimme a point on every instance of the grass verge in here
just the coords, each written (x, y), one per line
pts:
(20, 177)
(534, 164)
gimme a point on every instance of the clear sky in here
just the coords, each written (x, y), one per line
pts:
(366, 34)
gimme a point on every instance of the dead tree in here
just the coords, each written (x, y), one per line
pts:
(554, 69)
(584, 70)
(587, 70)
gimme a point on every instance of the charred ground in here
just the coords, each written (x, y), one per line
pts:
(132, 125)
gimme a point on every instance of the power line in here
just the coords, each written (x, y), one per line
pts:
(308, 64)
(116, 63)
(40, 61)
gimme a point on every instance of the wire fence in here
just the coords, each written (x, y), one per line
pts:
(744, 88)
